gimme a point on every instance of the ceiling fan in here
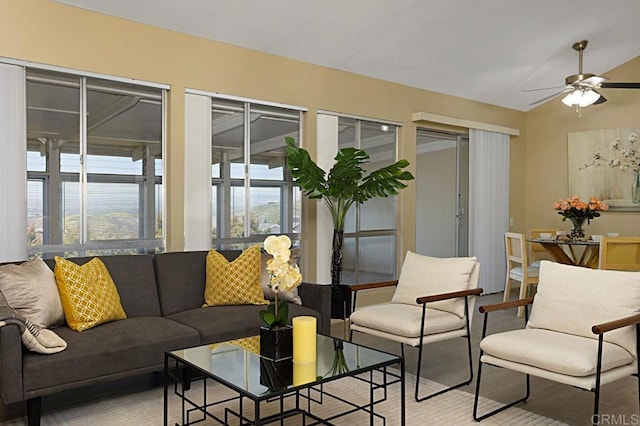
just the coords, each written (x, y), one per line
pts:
(581, 88)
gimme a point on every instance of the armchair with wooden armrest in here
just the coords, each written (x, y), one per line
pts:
(560, 341)
(433, 301)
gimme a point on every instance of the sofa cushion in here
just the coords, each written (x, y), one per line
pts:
(89, 296)
(219, 323)
(571, 299)
(181, 278)
(115, 347)
(135, 279)
(558, 352)
(236, 282)
(30, 289)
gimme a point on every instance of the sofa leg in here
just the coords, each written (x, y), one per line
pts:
(34, 408)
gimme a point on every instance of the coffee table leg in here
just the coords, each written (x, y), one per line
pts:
(256, 413)
(402, 393)
(371, 397)
(166, 389)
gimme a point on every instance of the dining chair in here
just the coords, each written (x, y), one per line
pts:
(536, 251)
(433, 301)
(518, 267)
(620, 253)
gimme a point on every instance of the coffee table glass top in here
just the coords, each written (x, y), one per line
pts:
(239, 365)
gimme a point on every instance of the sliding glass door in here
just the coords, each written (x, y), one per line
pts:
(442, 204)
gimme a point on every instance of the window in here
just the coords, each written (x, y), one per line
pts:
(252, 190)
(94, 165)
(369, 253)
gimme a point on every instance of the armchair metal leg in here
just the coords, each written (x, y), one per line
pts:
(497, 410)
(464, 383)
(477, 394)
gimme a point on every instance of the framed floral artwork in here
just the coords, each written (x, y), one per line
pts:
(606, 164)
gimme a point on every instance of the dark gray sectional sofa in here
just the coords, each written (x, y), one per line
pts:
(162, 296)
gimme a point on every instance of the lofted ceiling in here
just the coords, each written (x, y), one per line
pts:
(488, 51)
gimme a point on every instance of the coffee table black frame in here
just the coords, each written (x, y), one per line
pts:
(182, 371)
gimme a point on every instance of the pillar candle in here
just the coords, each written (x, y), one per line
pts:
(304, 372)
(304, 339)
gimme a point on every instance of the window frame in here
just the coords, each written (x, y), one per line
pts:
(286, 184)
(52, 178)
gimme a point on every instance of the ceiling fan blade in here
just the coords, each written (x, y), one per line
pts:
(568, 89)
(600, 100)
(543, 88)
(620, 85)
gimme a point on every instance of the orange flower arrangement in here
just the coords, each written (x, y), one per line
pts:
(574, 208)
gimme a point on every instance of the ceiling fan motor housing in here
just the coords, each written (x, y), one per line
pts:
(577, 78)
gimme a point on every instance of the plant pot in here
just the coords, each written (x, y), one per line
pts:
(276, 344)
(340, 301)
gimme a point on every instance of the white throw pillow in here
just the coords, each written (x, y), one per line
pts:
(31, 290)
(572, 299)
(425, 276)
(291, 295)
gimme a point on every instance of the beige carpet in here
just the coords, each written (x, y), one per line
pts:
(145, 408)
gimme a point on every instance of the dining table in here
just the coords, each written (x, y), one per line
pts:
(563, 250)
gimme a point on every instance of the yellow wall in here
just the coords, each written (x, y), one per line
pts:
(46, 32)
(546, 172)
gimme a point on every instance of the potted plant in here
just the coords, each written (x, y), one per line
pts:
(276, 337)
(344, 185)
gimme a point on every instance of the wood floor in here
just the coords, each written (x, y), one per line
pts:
(445, 362)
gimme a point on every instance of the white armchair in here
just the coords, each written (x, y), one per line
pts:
(433, 301)
(584, 331)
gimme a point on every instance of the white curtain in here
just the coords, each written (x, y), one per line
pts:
(489, 205)
(197, 173)
(13, 164)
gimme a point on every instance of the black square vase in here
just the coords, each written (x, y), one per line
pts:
(276, 344)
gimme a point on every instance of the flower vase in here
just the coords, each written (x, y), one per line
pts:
(635, 189)
(577, 231)
(277, 343)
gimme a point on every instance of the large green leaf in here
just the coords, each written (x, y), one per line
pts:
(305, 171)
(385, 181)
(345, 183)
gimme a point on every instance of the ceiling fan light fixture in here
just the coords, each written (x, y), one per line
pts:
(581, 98)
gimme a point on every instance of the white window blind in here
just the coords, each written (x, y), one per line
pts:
(13, 163)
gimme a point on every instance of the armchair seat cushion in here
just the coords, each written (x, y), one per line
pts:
(402, 320)
(554, 351)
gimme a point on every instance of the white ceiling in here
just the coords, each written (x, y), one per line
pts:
(488, 50)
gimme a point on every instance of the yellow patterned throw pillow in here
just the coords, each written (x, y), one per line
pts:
(234, 283)
(88, 294)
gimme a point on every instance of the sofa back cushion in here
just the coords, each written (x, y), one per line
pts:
(181, 278)
(572, 299)
(135, 280)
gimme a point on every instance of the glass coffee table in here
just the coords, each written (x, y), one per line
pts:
(238, 366)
